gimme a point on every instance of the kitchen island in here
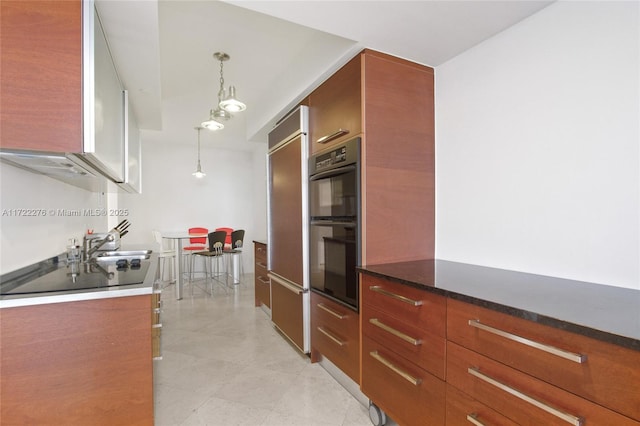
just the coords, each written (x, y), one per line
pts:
(78, 357)
(504, 347)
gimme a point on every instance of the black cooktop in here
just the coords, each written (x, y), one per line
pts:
(87, 277)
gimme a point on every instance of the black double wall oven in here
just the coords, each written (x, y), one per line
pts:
(334, 231)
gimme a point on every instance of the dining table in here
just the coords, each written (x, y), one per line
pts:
(179, 237)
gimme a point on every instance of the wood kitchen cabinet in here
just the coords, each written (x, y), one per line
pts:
(262, 283)
(59, 74)
(389, 102)
(41, 85)
(403, 351)
(335, 333)
(579, 377)
(335, 108)
(77, 363)
(156, 324)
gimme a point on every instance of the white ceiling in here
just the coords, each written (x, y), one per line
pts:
(279, 50)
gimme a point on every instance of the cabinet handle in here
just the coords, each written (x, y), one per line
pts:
(330, 336)
(262, 265)
(408, 377)
(571, 356)
(569, 418)
(332, 136)
(473, 418)
(291, 287)
(380, 290)
(330, 311)
(263, 281)
(397, 333)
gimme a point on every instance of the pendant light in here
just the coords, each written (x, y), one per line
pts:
(199, 173)
(226, 103)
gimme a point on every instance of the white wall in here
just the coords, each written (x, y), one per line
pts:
(174, 200)
(538, 163)
(29, 239)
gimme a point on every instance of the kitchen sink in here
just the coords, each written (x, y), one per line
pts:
(115, 255)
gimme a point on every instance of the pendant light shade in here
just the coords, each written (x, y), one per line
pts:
(230, 103)
(226, 103)
(212, 124)
(199, 173)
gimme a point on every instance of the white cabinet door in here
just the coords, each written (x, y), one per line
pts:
(104, 144)
(133, 144)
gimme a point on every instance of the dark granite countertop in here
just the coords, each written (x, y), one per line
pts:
(610, 314)
(260, 241)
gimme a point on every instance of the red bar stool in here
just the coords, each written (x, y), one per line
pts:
(228, 244)
(196, 243)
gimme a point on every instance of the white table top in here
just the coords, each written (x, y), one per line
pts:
(177, 235)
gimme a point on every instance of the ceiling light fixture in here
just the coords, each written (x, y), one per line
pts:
(226, 103)
(199, 173)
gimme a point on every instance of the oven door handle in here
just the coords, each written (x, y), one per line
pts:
(347, 224)
(333, 172)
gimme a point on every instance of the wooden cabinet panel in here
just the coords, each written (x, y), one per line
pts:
(156, 324)
(462, 410)
(84, 363)
(406, 392)
(336, 106)
(286, 312)
(262, 284)
(41, 83)
(520, 397)
(608, 375)
(335, 334)
(398, 206)
(408, 304)
(414, 342)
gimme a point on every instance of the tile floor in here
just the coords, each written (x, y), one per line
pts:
(224, 364)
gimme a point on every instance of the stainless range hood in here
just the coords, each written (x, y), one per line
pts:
(68, 168)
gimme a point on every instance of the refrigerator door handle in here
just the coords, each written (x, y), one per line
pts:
(287, 284)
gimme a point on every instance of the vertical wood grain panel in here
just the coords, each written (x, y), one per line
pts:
(41, 85)
(398, 160)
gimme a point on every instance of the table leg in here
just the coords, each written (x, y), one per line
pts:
(178, 269)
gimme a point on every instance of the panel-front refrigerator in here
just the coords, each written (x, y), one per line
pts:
(288, 227)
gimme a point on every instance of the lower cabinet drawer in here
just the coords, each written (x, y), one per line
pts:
(410, 341)
(462, 410)
(262, 286)
(406, 303)
(335, 335)
(406, 392)
(601, 372)
(520, 397)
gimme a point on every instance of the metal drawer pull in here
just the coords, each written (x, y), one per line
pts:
(473, 418)
(571, 356)
(380, 290)
(399, 334)
(263, 281)
(330, 311)
(332, 136)
(288, 285)
(408, 377)
(569, 418)
(262, 265)
(330, 336)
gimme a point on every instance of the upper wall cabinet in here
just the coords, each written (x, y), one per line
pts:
(61, 91)
(104, 138)
(133, 168)
(335, 107)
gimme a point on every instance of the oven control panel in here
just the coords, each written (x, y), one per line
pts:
(329, 159)
(337, 157)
